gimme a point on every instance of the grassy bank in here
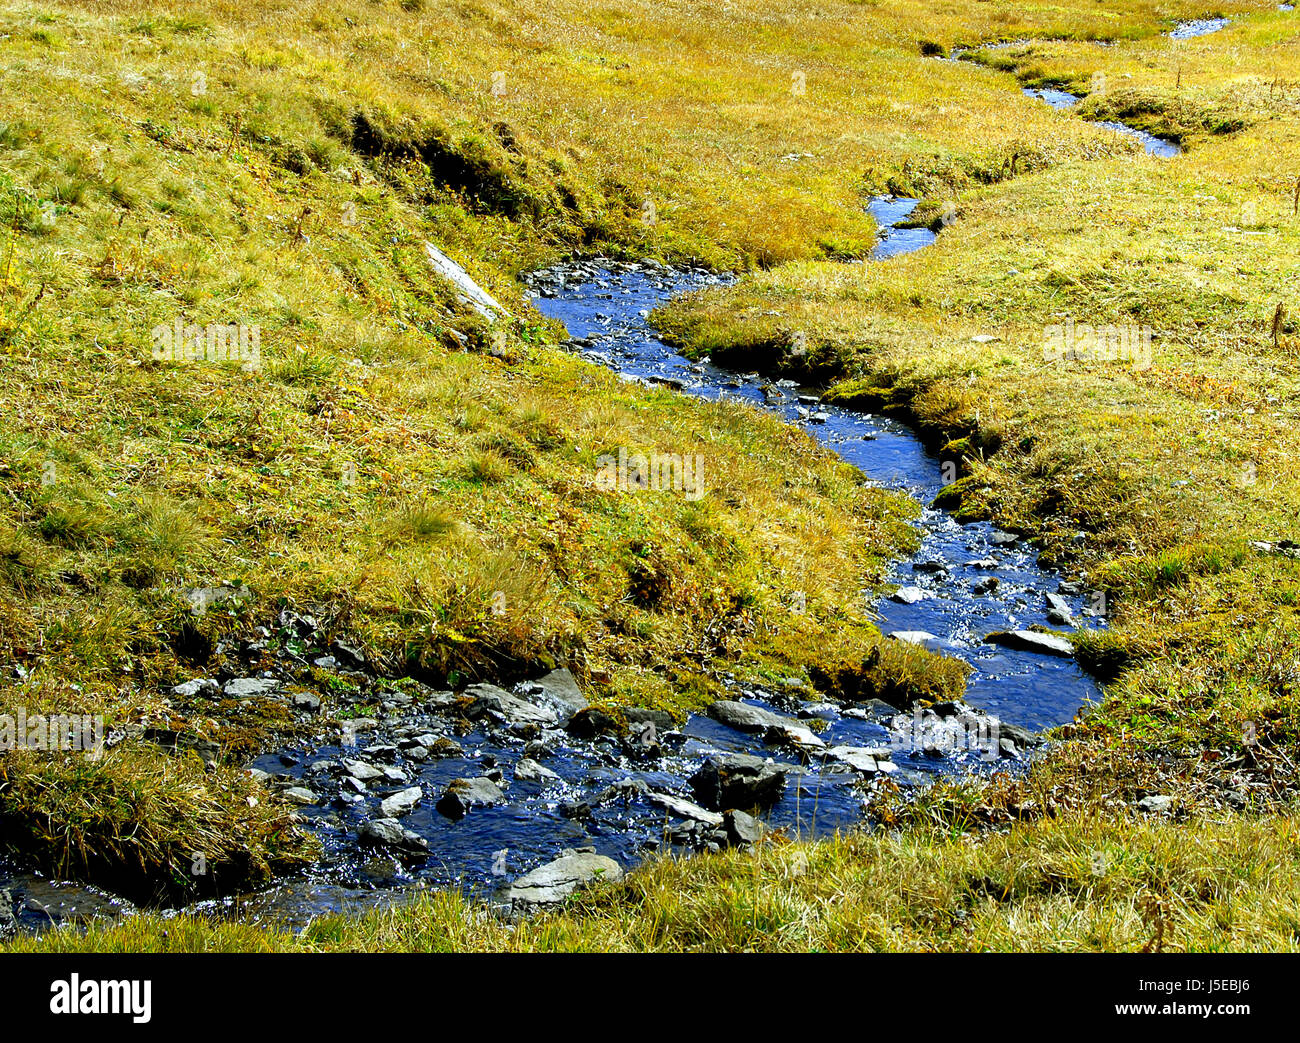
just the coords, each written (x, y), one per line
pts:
(398, 462)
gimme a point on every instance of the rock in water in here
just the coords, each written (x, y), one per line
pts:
(464, 794)
(528, 770)
(1033, 641)
(908, 595)
(556, 880)
(746, 718)
(388, 832)
(1058, 611)
(739, 781)
(683, 808)
(401, 803)
(561, 689)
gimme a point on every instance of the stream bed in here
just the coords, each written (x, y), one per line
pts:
(474, 789)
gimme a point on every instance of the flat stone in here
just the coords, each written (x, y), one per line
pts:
(199, 686)
(793, 735)
(556, 880)
(1033, 641)
(914, 637)
(865, 759)
(301, 795)
(683, 808)
(361, 770)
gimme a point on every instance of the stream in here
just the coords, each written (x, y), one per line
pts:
(568, 789)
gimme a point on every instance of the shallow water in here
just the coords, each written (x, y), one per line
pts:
(1200, 27)
(1031, 690)
(1059, 99)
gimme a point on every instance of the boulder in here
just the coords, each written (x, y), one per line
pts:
(561, 690)
(739, 781)
(511, 707)
(556, 880)
(909, 595)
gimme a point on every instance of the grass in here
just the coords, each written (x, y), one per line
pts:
(399, 460)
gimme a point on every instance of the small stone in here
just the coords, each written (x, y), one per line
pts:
(301, 795)
(530, 771)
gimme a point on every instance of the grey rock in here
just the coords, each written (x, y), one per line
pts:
(462, 795)
(301, 795)
(745, 718)
(306, 701)
(909, 595)
(510, 707)
(530, 771)
(400, 803)
(199, 686)
(742, 828)
(683, 808)
(1033, 641)
(1058, 611)
(1156, 802)
(561, 690)
(556, 880)
(361, 770)
(793, 735)
(915, 637)
(739, 781)
(388, 832)
(865, 759)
